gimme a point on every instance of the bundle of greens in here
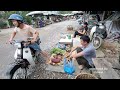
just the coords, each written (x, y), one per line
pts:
(57, 51)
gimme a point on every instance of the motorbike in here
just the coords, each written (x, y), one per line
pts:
(97, 34)
(25, 58)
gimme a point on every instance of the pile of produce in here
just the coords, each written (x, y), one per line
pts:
(57, 51)
(56, 58)
(56, 55)
(68, 48)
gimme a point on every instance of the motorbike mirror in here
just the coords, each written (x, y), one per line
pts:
(97, 25)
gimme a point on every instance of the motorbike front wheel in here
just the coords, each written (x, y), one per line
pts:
(18, 73)
(97, 42)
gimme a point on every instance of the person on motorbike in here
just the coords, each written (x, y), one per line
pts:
(82, 31)
(25, 31)
(98, 17)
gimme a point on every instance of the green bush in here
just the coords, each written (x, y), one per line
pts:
(3, 24)
(0, 16)
(6, 15)
(27, 20)
(10, 23)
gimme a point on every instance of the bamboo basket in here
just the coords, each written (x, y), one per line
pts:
(69, 27)
(85, 76)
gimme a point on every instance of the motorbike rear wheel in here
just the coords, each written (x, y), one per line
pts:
(97, 42)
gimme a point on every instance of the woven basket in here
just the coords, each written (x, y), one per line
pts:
(69, 27)
(85, 76)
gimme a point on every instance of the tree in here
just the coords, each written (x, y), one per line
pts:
(4, 15)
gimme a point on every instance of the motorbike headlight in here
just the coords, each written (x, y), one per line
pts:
(101, 27)
(18, 45)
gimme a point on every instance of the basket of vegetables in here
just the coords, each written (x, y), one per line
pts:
(56, 58)
(56, 55)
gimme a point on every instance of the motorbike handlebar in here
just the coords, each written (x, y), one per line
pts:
(12, 42)
(23, 42)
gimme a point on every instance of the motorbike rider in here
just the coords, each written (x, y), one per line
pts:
(98, 17)
(25, 31)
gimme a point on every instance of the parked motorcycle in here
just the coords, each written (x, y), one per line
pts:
(97, 34)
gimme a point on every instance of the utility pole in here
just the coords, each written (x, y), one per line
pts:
(103, 17)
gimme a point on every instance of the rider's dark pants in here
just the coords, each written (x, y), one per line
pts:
(77, 33)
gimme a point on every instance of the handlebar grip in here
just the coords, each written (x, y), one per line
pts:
(97, 25)
(29, 42)
(11, 43)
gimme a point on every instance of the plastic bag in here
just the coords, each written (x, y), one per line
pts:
(69, 67)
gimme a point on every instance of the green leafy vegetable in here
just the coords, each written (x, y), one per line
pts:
(57, 51)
